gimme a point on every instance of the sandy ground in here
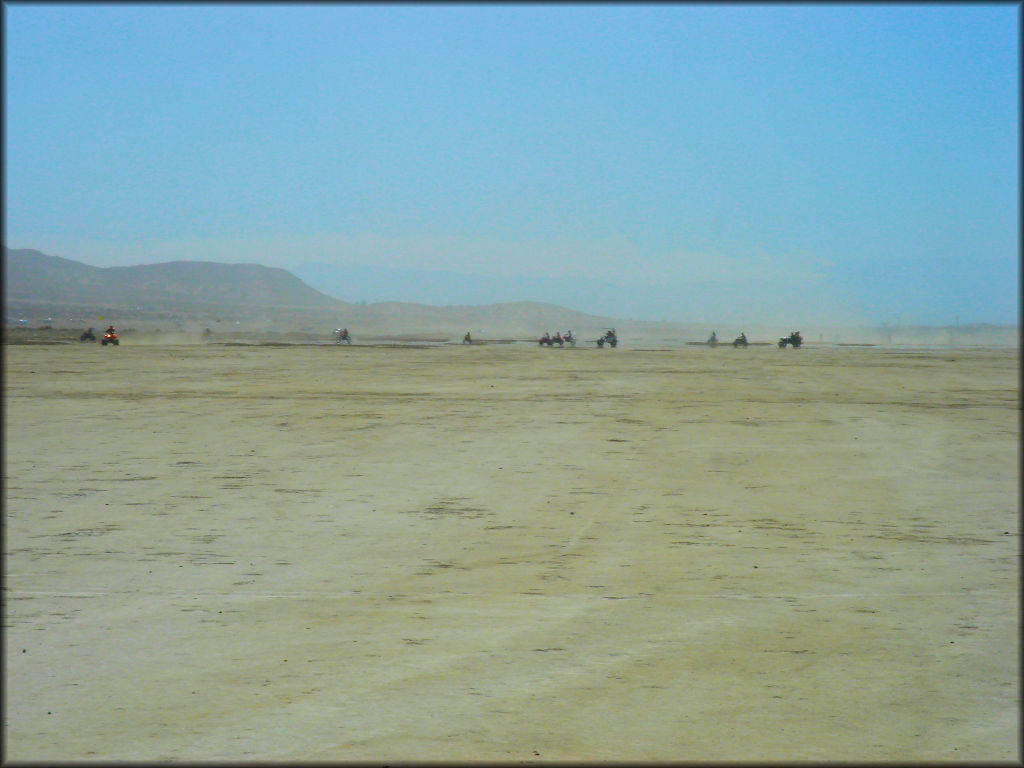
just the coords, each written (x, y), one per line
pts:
(510, 553)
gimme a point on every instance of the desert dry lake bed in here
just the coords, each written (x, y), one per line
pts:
(507, 553)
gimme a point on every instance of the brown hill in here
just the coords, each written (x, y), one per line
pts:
(253, 299)
(32, 276)
(189, 294)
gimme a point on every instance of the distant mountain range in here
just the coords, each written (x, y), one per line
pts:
(41, 288)
(191, 292)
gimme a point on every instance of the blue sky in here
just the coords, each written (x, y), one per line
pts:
(718, 163)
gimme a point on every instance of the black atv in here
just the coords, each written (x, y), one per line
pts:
(794, 340)
(609, 338)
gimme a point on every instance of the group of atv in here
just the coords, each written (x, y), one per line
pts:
(547, 340)
(109, 336)
(342, 336)
(739, 341)
(793, 340)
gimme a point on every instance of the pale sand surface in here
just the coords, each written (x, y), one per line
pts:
(510, 553)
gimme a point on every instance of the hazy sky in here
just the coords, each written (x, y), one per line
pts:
(847, 162)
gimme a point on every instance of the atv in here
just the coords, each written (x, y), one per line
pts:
(109, 338)
(794, 340)
(609, 338)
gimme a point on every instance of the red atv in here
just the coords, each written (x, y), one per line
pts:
(110, 337)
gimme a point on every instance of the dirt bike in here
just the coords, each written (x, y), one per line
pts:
(110, 337)
(794, 339)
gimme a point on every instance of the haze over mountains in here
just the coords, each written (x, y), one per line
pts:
(248, 294)
(197, 294)
(363, 283)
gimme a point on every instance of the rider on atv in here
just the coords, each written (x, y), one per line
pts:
(794, 340)
(609, 338)
(110, 337)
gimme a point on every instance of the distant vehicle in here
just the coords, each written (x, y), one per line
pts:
(547, 340)
(341, 336)
(110, 337)
(741, 340)
(609, 338)
(87, 336)
(794, 340)
(713, 339)
(467, 339)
